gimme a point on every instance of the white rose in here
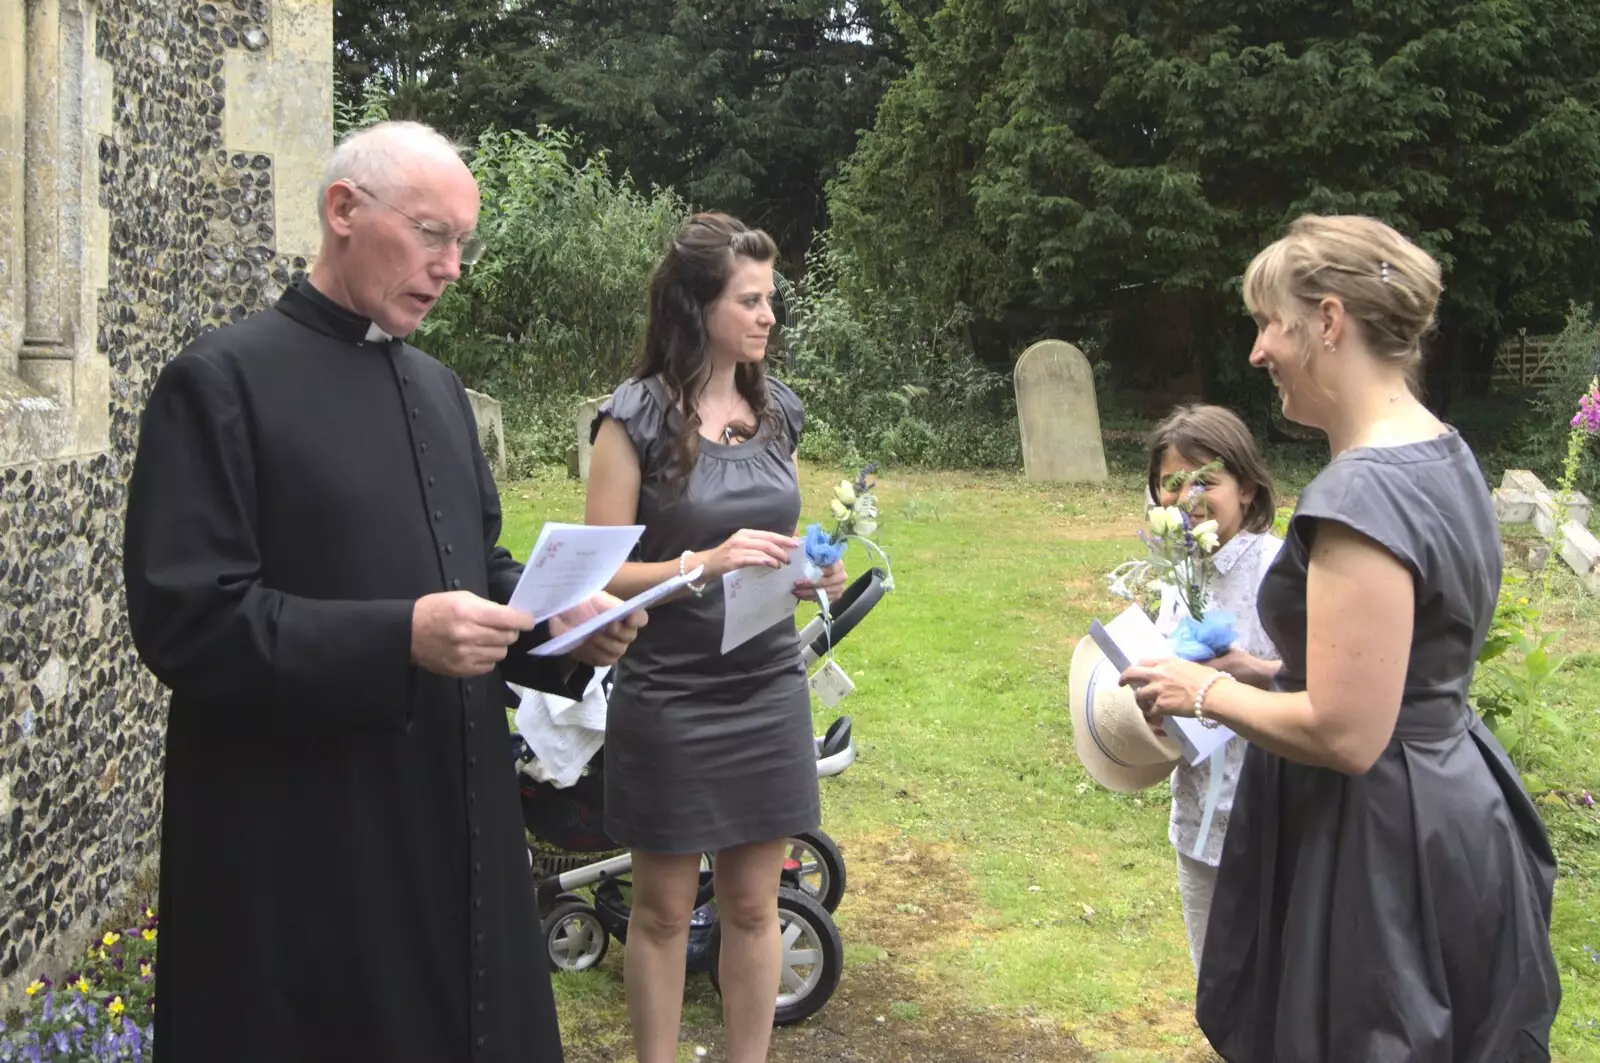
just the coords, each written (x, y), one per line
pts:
(865, 528)
(845, 493)
(840, 510)
(1165, 519)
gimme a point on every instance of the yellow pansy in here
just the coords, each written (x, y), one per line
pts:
(149, 935)
(116, 1007)
(144, 970)
(35, 989)
(110, 939)
(81, 985)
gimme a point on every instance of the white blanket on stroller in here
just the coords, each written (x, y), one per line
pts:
(563, 734)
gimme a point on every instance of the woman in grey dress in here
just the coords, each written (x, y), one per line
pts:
(706, 751)
(1385, 887)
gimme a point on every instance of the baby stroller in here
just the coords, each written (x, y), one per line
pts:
(582, 876)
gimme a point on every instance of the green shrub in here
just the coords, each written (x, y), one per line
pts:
(556, 309)
(883, 381)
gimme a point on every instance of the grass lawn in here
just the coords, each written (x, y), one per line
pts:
(1001, 905)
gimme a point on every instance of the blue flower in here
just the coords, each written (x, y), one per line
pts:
(820, 550)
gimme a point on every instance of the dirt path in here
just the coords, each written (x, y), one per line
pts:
(891, 1005)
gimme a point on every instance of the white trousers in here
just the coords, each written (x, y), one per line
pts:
(1196, 882)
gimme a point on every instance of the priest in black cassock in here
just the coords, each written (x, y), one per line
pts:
(312, 568)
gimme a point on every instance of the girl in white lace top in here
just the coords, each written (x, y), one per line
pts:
(1240, 499)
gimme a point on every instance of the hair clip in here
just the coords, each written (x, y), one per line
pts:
(1383, 272)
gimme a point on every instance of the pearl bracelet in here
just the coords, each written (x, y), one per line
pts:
(1205, 688)
(686, 555)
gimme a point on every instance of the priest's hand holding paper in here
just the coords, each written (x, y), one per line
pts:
(460, 635)
(606, 646)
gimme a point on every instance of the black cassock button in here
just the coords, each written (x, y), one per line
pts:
(455, 584)
(481, 972)
(415, 413)
(472, 725)
(405, 380)
(480, 1007)
(422, 447)
(430, 481)
(449, 548)
(476, 831)
(478, 937)
(477, 867)
(472, 762)
(477, 902)
(468, 687)
(438, 515)
(472, 799)
(480, 1042)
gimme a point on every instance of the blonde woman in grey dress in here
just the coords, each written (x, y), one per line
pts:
(706, 752)
(1385, 887)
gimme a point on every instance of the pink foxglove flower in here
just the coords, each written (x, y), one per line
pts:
(1588, 415)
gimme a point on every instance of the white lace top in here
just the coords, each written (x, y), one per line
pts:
(1240, 564)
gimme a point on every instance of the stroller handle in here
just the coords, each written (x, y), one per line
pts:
(854, 604)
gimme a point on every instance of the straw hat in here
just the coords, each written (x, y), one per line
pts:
(1113, 740)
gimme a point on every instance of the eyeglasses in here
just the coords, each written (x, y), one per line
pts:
(433, 236)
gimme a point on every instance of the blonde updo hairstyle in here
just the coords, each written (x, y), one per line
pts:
(1389, 286)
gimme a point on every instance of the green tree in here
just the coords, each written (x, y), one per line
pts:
(408, 51)
(738, 105)
(1062, 164)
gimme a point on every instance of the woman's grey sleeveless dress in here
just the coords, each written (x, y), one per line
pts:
(705, 750)
(1403, 915)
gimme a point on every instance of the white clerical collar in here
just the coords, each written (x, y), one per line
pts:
(377, 335)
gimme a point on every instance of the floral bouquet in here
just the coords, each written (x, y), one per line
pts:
(1179, 543)
(855, 514)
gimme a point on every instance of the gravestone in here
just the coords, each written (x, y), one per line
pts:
(1522, 498)
(491, 430)
(582, 421)
(1058, 414)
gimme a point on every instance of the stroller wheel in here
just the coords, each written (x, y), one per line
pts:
(813, 865)
(813, 958)
(574, 938)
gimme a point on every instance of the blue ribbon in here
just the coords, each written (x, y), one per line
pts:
(1201, 640)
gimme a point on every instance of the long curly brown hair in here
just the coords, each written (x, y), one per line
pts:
(687, 280)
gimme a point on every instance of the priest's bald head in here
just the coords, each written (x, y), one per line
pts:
(399, 214)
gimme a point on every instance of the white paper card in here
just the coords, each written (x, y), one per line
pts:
(1133, 638)
(755, 598)
(571, 562)
(643, 600)
(831, 685)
